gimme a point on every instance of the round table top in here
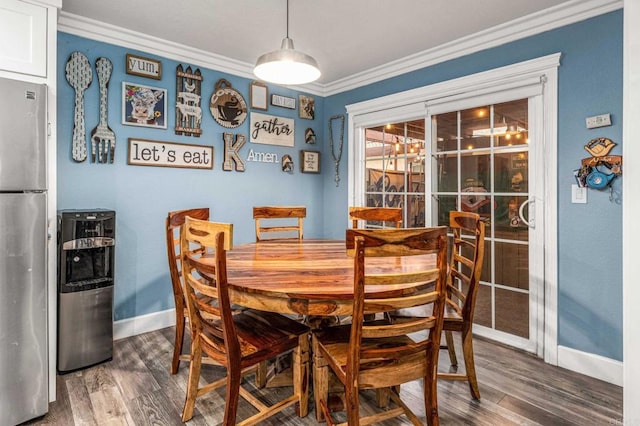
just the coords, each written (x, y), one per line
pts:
(309, 277)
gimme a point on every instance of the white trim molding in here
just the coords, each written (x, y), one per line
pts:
(596, 366)
(554, 17)
(143, 324)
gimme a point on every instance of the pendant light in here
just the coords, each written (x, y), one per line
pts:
(287, 65)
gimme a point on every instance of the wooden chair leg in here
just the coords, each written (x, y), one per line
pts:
(431, 395)
(301, 375)
(448, 335)
(192, 383)
(261, 375)
(382, 397)
(320, 385)
(177, 344)
(469, 363)
(234, 377)
(352, 402)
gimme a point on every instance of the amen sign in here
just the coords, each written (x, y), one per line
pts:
(271, 130)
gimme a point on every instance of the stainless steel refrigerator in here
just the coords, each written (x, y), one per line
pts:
(23, 252)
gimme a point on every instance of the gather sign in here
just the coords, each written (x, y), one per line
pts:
(271, 130)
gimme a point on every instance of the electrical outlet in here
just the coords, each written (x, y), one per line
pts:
(598, 121)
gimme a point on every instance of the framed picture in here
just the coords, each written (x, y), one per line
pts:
(144, 106)
(307, 107)
(283, 101)
(310, 161)
(309, 136)
(144, 67)
(258, 95)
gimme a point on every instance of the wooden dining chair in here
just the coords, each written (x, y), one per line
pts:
(383, 355)
(173, 225)
(279, 218)
(236, 341)
(465, 268)
(380, 214)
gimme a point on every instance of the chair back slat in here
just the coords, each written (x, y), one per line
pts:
(276, 215)
(375, 214)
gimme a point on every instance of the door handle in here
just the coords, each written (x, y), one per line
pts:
(531, 223)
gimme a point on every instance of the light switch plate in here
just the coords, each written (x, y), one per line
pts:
(598, 121)
(578, 194)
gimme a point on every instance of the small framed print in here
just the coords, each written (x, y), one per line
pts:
(258, 95)
(307, 107)
(144, 106)
(310, 161)
(283, 101)
(144, 67)
(309, 136)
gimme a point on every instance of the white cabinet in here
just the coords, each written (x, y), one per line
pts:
(23, 38)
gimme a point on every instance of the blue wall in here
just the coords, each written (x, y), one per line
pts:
(589, 235)
(142, 196)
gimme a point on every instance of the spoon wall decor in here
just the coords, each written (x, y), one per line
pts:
(79, 75)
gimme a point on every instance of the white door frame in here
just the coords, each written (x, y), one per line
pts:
(413, 103)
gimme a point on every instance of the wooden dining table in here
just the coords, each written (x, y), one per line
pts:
(311, 277)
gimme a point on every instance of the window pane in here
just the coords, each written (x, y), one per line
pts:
(512, 265)
(446, 132)
(443, 204)
(475, 128)
(511, 172)
(447, 173)
(511, 123)
(508, 224)
(482, 313)
(512, 312)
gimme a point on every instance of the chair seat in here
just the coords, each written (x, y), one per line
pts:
(334, 347)
(261, 334)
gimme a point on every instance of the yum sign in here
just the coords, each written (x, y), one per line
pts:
(271, 130)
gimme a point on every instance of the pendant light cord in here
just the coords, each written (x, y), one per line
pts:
(287, 18)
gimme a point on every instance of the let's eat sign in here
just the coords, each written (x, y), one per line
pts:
(144, 152)
(144, 67)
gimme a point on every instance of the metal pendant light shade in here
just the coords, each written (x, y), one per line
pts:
(287, 65)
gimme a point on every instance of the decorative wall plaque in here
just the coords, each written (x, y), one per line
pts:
(144, 67)
(144, 152)
(272, 130)
(232, 144)
(188, 95)
(227, 105)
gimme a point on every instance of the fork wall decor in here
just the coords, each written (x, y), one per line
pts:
(102, 136)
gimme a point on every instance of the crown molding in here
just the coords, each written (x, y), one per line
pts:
(555, 17)
(526, 26)
(112, 34)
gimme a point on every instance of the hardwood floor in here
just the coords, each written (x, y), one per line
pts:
(135, 388)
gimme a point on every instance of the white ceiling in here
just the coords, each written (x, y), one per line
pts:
(346, 37)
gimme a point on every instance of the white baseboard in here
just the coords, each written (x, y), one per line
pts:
(143, 324)
(596, 366)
